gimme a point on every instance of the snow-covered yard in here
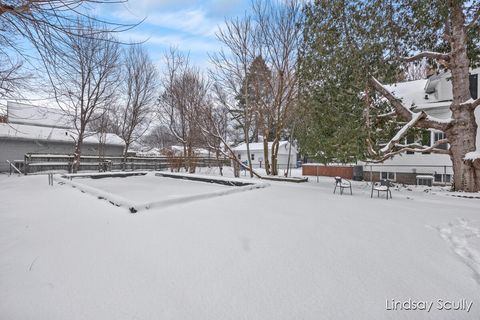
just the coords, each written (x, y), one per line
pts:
(288, 251)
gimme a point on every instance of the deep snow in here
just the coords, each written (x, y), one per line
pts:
(289, 251)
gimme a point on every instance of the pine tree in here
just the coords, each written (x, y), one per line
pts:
(344, 42)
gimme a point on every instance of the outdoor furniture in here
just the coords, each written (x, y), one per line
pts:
(342, 184)
(382, 186)
(424, 180)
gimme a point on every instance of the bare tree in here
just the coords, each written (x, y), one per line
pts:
(271, 36)
(101, 125)
(43, 24)
(136, 97)
(461, 128)
(213, 123)
(184, 91)
(230, 73)
(280, 35)
(84, 77)
(159, 137)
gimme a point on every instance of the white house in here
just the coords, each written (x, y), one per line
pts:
(434, 96)
(285, 151)
(174, 151)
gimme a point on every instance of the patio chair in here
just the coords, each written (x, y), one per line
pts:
(342, 184)
(382, 186)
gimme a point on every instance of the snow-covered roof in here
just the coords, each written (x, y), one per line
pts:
(258, 146)
(28, 132)
(423, 93)
(21, 113)
(411, 92)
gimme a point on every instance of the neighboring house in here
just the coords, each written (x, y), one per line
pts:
(31, 129)
(434, 96)
(257, 155)
(174, 151)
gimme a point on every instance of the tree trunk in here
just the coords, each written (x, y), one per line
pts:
(219, 162)
(462, 140)
(191, 162)
(265, 144)
(236, 169)
(185, 157)
(275, 146)
(463, 131)
(125, 156)
(76, 154)
(265, 156)
(247, 142)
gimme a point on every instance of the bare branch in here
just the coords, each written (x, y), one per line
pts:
(427, 54)
(402, 132)
(407, 114)
(475, 103)
(84, 77)
(386, 115)
(474, 19)
(413, 148)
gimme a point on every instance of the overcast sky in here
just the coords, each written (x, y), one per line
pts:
(188, 25)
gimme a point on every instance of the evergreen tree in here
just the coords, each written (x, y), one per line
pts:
(344, 42)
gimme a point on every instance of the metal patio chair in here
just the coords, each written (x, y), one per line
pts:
(342, 184)
(382, 186)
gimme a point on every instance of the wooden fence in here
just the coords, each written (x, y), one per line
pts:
(328, 171)
(35, 162)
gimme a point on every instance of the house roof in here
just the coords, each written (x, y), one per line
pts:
(421, 93)
(411, 92)
(21, 113)
(29, 132)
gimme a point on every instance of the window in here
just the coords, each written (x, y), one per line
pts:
(239, 156)
(388, 175)
(474, 85)
(443, 178)
(253, 156)
(439, 136)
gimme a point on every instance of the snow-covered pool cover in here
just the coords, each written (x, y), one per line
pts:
(149, 191)
(150, 187)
